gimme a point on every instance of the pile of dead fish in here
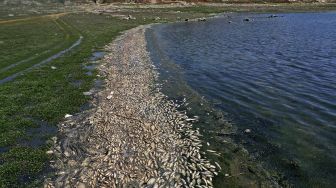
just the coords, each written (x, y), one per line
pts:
(134, 137)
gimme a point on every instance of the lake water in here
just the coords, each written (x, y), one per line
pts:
(274, 76)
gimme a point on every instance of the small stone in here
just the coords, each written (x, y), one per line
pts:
(67, 115)
(10, 15)
(53, 68)
(247, 130)
(109, 97)
(50, 152)
(226, 175)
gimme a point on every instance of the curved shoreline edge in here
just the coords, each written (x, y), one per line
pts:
(134, 136)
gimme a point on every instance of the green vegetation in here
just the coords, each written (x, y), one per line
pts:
(44, 94)
(41, 97)
(41, 39)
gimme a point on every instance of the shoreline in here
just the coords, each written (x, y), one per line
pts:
(64, 87)
(133, 136)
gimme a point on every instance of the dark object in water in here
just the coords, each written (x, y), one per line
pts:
(230, 21)
(272, 16)
(187, 19)
(247, 19)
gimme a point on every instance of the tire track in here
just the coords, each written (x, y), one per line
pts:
(47, 60)
(67, 36)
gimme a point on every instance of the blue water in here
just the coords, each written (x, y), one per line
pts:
(274, 76)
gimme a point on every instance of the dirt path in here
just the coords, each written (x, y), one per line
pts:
(51, 57)
(134, 137)
(51, 16)
(67, 36)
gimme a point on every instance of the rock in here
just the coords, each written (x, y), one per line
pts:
(187, 19)
(247, 19)
(227, 175)
(230, 21)
(10, 15)
(109, 97)
(247, 130)
(157, 18)
(49, 152)
(53, 68)
(67, 115)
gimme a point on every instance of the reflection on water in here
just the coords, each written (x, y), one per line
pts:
(274, 76)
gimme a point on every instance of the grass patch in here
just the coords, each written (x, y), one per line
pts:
(46, 95)
(21, 165)
(30, 38)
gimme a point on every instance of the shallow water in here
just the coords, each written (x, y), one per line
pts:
(274, 76)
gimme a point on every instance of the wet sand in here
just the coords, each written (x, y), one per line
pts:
(134, 136)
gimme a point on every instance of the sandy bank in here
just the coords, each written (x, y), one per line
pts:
(134, 137)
